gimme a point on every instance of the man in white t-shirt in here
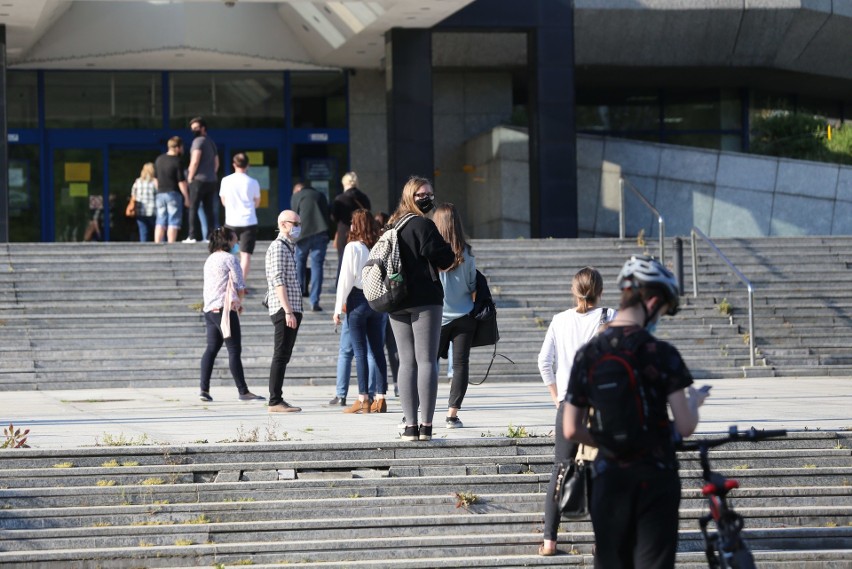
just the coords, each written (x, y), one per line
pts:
(240, 194)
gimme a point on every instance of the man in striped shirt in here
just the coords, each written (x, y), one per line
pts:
(284, 296)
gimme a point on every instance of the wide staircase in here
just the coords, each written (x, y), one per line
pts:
(127, 315)
(451, 503)
(121, 315)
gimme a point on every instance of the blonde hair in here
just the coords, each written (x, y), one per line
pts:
(587, 287)
(449, 224)
(406, 201)
(147, 173)
(349, 180)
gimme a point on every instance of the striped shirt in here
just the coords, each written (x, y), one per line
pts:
(281, 271)
(145, 192)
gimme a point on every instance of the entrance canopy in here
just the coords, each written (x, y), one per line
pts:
(210, 34)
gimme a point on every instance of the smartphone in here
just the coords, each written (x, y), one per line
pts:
(705, 388)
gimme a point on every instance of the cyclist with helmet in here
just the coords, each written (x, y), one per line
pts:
(634, 501)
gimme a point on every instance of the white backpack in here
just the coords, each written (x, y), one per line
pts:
(384, 282)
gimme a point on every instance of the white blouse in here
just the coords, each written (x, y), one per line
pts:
(355, 256)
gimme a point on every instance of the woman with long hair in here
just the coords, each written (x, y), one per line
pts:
(417, 323)
(145, 193)
(224, 288)
(568, 331)
(457, 325)
(366, 326)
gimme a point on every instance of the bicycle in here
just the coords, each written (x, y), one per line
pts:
(725, 548)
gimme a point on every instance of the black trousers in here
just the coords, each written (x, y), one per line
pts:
(213, 322)
(563, 451)
(204, 194)
(460, 333)
(285, 339)
(635, 516)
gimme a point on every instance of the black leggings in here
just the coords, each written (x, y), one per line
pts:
(214, 344)
(460, 332)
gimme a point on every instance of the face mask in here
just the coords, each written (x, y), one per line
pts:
(196, 133)
(295, 232)
(425, 205)
(235, 250)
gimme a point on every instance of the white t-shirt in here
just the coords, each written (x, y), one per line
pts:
(355, 256)
(239, 192)
(567, 333)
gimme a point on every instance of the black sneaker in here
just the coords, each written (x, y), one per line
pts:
(204, 396)
(249, 396)
(411, 433)
(337, 402)
(316, 308)
(454, 423)
(425, 432)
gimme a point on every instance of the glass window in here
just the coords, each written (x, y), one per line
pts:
(319, 99)
(765, 104)
(706, 109)
(228, 100)
(91, 99)
(24, 191)
(22, 99)
(605, 110)
(732, 142)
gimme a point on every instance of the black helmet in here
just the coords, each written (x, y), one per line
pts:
(641, 270)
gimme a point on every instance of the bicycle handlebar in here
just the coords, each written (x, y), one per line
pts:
(751, 435)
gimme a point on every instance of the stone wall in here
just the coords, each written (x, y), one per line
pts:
(725, 194)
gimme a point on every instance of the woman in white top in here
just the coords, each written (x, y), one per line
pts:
(366, 326)
(568, 331)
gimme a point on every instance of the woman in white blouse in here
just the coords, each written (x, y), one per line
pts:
(220, 269)
(568, 331)
(366, 326)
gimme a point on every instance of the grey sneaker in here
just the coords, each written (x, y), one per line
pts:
(249, 396)
(454, 423)
(337, 402)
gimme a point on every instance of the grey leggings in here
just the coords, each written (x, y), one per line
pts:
(417, 331)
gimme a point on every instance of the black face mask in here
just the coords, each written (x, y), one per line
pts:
(425, 205)
(196, 133)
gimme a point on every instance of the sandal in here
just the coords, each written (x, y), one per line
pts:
(546, 552)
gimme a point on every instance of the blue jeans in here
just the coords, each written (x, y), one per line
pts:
(313, 248)
(345, 355)
(146, 227)
(367, 328)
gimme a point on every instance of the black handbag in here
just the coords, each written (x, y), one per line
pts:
(572, 489)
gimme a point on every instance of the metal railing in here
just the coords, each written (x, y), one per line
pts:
(742, 277)
(624, 182)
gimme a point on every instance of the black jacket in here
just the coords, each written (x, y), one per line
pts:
(422, 252)
(344, 204)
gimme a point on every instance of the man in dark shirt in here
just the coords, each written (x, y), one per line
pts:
(312, 207)
(341, 211)
(172, 192)
(203, 181)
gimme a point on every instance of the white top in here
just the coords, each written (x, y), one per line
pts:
(568, 332)
(355, 256)
(239, 192)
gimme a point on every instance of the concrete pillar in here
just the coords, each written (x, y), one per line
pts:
(408, 71)
(4, 144)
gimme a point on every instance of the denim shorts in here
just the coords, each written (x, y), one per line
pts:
(169, 209)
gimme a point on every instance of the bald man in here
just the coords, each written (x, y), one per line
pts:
(284, 296)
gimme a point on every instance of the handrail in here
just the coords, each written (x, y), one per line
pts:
(621, 216)
(742, 277)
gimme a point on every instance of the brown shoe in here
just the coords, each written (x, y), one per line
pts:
(358, 407)
(283, 407)
(379, 406)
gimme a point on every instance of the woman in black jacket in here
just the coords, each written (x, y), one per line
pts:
(417, 324)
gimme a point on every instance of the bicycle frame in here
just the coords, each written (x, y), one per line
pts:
(724, 547)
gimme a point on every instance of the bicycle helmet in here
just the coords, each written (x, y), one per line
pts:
(641, 270)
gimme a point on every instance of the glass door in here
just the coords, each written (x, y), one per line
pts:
(24, 193)
(80, 212)
(263, 167)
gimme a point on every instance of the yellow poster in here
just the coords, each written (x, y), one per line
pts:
(264, 199)
(78, 190)
(78, 172)
(255, 157)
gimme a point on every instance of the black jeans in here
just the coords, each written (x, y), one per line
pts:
(234, 344)
(203, 193)
(460, 333)
(285, 339)
(563, 451)
(635, 516)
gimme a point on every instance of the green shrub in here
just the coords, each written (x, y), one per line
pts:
(803, 137)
